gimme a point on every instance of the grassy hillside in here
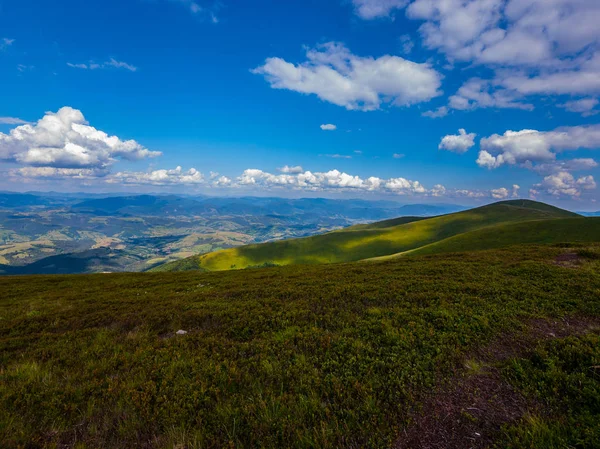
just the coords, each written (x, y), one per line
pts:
(331, 356)
(379, 239)
(504, 235)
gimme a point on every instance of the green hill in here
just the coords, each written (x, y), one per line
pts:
(371, 241)
(483, 349)
(564, 230)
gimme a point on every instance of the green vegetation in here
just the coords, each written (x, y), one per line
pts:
(401, 235)
(564, 377)
(305, 356)
(501, 236)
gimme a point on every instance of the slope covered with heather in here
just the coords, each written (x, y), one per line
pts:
(484, 349)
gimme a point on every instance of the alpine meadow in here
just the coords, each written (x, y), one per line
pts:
(332, 224)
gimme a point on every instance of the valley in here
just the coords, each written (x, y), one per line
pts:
(74, 234)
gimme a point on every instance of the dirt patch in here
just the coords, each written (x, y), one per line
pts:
(471, 409)
(568, 260)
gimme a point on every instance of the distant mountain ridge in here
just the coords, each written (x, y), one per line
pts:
(406, 235)
(173, 204)
(56, 233)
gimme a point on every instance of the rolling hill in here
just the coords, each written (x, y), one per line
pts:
(562, 230)
(392, 237)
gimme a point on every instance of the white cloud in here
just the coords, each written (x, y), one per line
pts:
(529, 146)
(580, 77)
(406, 44)
(60, 173)
(515, 191)
(500, 194)
(111, 63)
(584, 106)
(337, 156)
(120, 65)
(328, 127)
(335, 180)
(373, 9)
(331, 180)
(536, 47)
(503, 193)
(565, 184)
(357, 83)
(478, 93)
(5, 43)
(442, 111)
(508, 32)
(12, 121)
(571, 165)
(398, 155)
(291, 169)
(65, 140)
(460, 143)
(223, 181)
(201, 11)
(176, 176)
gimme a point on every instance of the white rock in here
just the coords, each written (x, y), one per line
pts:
(181, 332)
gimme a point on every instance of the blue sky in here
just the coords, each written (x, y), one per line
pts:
(235, 91)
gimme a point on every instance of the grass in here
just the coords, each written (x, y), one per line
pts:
(371, 241)
(564, 376)
(531, 232)
(309, 356)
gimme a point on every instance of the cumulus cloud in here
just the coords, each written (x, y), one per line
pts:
(503, 193)
(442, 111)
(536, 47)
(515, 190)
(565, 184)
(507, 32)
(500, 194)
(328, 127)
(65, 140)
(478, 93)
(222, 181)
(177, 176)
(580, 77)
(335, 180)
(337, 76)
(373, 9)
(460, 143)
(331, 180)
(111, 63)
(583, 106)
(255, 179)
(529, 146)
